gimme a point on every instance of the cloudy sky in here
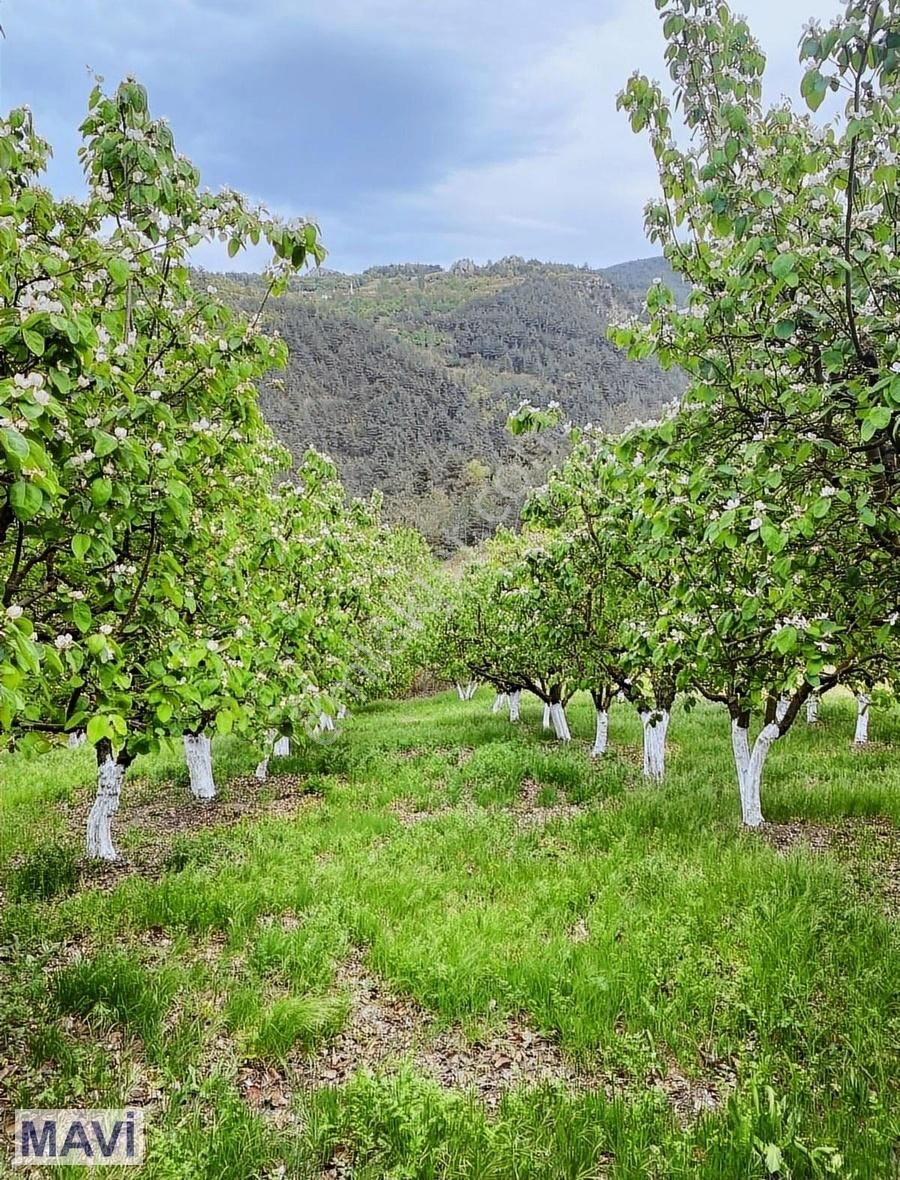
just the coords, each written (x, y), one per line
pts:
(422, 130)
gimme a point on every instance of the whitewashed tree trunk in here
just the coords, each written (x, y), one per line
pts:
(262, 768)
(499, 702)
(110, 776)
(471, 689)
(461, 692)
(546, 722)
(600, 741)
(326, 725)
(655, 723)
(812, 709)
(198, 754)
(76, 739)
(282, 747)
(514, 702)
(861, 737)
(781, 708)
(749, 766)
(342, 713)
(559, 723)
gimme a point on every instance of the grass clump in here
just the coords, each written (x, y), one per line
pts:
(44, 873)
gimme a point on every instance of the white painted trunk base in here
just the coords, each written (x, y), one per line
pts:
(545, 720)
(262, 768)
(515, 700)
(781, 708)
(499, 702)
(342, 712)
(470, 690)
(198, 754)
(559, 723)
(110, 776)
(326, 725)
(861, 737)
(460, 691)
(749, 766)
(282, 747)
(76, 739)
(601, 739)
(812, 709)
(656, 724)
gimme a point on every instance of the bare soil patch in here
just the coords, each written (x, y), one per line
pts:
(690, 1098)
(161, 818)
(385, 1029)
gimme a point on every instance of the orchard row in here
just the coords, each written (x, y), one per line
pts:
(745, 547)
(164, 572)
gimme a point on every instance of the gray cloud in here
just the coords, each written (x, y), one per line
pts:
(410, 129)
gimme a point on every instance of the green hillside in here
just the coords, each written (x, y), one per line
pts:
(405, 375)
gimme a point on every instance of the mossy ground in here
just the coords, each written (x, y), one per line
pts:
(664, 950)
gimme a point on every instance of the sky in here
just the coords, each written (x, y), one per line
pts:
(410, 130)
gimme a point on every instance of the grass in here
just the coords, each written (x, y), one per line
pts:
(701, 948)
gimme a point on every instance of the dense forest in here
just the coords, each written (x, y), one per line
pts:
(406, 374)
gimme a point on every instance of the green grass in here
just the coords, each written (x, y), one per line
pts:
(700, 943)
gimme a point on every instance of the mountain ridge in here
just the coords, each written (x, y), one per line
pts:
(405, 374)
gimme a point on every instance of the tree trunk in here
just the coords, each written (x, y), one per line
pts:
(282, 747)
(559, 723)
(326, 725)
(110, 776)
(514, 701)
(812, 710)
(342, 713)
(602, 698)
(784, 703)
(76, 739)
(198, 753)
(600, 741)
(655, 723)
(471, 689)
(545, 720)
(499, 702)
(749, 766)
(262, 768)
(861, 737)
(460, 691)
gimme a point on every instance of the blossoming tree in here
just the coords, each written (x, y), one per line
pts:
(128, 408)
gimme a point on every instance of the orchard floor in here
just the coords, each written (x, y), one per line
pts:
(443, 946)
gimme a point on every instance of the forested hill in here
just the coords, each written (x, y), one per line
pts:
(405, 376)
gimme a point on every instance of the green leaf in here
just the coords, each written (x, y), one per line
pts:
(101, 490)
(786, 640)
(813, 88)
(34, 341)
(14, 443)
(104, 444)
(224, 722)
(81, 617)
(773, 540)
(119, 271)
(97, 729)
(25, 498)
(876, 419)
(785, 329)
(81, 543)
(783, 265)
